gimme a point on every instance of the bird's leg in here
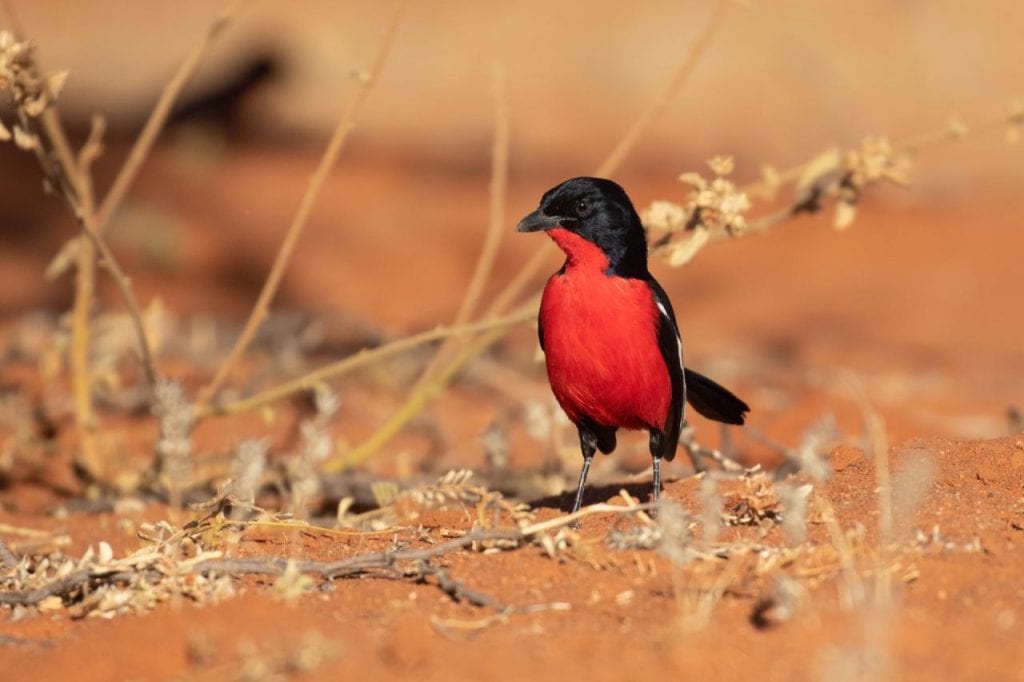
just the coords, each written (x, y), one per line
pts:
(588, 444)
(656, 489)
(587, 458)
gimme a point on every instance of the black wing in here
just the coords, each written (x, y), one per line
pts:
(671, 347)
(707, 397)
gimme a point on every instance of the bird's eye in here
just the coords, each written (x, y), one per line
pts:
(582, 208)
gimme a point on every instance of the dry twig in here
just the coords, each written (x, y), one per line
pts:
(495, 225)
(361, 359)
(327, 161)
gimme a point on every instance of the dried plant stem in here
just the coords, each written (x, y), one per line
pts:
(419, 399)
(854, 594)
(85, 284)
(81, 377)
(360, 359)
(90, 151)
(668, 93)
(74, 177)
(498, 196)
(124, 287)
(914, 144)
(85, 279)
(341, 132)
(158, 116)
(874, 429)
(492, 240)
(828, 186)
(409, 409)
(150, 131)
(569, 519)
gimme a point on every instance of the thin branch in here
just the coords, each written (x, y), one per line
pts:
(345, 125)
(498, 194)
(419, 399)
(67, 171)
(124, 287)
(657, 107)
(458, 591)
(85, 285)
(492, 240)
(81, 379)
(60, 587)
(144, 143)
(358, 564)
(158, 117)
(696, 452)
(360, 359)
(92, 148)
(50, 117)
(569, 519)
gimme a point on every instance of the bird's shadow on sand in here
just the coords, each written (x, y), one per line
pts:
(593, 494)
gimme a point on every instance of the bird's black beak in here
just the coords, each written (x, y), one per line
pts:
(537, 221)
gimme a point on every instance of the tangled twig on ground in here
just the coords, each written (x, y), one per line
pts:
(149, 567)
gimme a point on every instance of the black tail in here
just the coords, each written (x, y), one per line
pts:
(714, 401)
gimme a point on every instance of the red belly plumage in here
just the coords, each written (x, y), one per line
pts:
(601, 344)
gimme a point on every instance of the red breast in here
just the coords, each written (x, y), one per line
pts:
(600, 341)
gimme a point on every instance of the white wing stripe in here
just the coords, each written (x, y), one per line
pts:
(679, 341)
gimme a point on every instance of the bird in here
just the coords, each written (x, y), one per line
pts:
(611, 343)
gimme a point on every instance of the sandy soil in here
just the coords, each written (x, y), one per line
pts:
(918, 302)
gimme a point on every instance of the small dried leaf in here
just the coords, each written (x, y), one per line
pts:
(721, 165)
(55, 83)
(384, 492)
(65, 258)
(24, 139)
(693, 179)
(51, 603)
(665, 216)
(845, 213)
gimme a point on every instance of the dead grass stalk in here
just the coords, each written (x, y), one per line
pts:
(327, 161)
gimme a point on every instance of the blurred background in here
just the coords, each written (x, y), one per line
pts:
(918, 298)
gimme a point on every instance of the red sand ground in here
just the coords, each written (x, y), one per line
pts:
(918, 301)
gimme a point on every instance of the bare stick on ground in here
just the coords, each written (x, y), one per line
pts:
(384, 564)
